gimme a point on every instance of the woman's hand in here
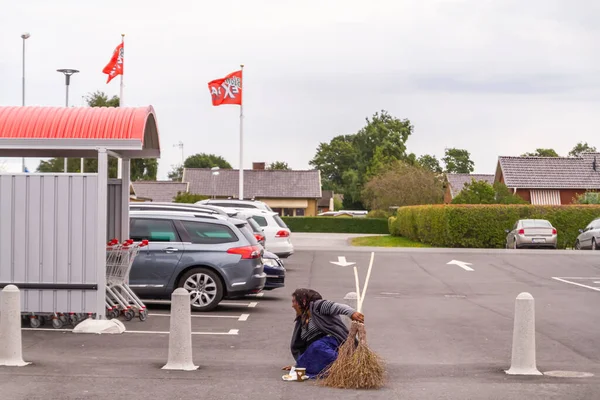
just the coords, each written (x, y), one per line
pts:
(358, 317)
(288, 368)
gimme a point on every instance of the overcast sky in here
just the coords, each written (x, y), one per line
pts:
(495, 77)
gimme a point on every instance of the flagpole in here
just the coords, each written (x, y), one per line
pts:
(119, 160)
(242, 136)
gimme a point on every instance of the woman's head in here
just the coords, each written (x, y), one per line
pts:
(301, 299)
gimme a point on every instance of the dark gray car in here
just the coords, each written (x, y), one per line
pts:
(212, 258)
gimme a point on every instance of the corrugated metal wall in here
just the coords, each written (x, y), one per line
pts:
(115, 210)
(48, 242)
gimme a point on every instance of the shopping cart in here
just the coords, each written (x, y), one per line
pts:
(120, 299)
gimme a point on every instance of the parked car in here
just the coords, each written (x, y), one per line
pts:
(214, 258)
(275, 270)
(589, 237)
(201, 211)
(531, 233)
(277, 233)
(232, 203)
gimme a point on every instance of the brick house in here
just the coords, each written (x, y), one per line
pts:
(157, 191)
(288, 192)
(550, 180)
(456, 183)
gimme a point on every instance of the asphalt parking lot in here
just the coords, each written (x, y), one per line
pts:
(445, 332)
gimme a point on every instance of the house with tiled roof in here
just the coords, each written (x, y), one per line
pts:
(456, 183)
(550, 180)
(288, 192)
(157, 191)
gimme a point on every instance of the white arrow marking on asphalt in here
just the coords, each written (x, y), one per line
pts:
(462, 264)
(342, 262)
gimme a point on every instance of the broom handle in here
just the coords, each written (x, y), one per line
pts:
(357, 286)
(362, 299)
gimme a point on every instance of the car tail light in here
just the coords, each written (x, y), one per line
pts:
(554, 231)
(259, 237)
(521, 231)
(247, 252)
(282, 233)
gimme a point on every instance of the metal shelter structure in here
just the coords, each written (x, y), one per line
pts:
(54, 226)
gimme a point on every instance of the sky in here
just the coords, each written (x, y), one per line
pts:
(494, 77)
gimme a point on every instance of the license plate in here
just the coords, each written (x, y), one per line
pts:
(538, 240)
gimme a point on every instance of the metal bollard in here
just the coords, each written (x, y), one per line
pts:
(11, 348)
(523, 346)
(180, 333)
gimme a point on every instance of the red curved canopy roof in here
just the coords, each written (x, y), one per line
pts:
(79, 128)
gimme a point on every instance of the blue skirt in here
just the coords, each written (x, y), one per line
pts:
(318, 356)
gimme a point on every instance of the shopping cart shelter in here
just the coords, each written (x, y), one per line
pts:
(54, 227)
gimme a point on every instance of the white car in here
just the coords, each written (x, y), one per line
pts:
(277, 233)
(232, 203)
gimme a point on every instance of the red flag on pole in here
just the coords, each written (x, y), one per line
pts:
(227, 90)
(115, 65)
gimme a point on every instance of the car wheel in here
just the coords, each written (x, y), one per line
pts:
(577, 245)
(205, 287)
(594, 246)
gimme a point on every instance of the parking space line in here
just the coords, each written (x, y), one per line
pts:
(253, 304)
(199, 316)
(577, 284)
(244, 317)
(223, 303)
(231, 332)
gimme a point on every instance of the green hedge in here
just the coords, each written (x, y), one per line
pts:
(337, 224)
(483, 226)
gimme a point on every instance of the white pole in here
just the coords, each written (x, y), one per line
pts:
(119, 160)
(24, 37)
(242, 137)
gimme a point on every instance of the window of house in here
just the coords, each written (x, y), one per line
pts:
(299, 212)
(153, 230)
(288, 212)
(206, 233)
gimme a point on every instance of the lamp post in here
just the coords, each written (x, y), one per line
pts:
(24, 36)
(67, 72)
(215, 172)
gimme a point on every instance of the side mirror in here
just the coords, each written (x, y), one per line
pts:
(507, 231)
(581, 231)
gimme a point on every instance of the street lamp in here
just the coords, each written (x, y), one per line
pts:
(215, 172)
(24, 36)
(68, 73)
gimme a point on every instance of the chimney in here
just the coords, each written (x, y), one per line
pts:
(258, 165)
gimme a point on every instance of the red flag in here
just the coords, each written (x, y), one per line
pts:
(227, 90)
(115, 65)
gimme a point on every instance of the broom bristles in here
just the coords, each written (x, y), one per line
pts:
(357, 366)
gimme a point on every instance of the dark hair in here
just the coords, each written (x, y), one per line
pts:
(304, 297)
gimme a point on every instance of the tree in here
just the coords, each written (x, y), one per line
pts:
(481, 192)
(581, 148)
(541, 153)
(402, 184)
(100, 99)
(458, 161)
(141, 169)
(476, 192)
(176, 174)
(504, 195)
(279, 165)
(430, 162)
(200, 160)
(185, 197)
(348, 161)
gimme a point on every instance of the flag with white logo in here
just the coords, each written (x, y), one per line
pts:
(227, 90)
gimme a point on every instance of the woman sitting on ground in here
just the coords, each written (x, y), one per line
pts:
(319, 331)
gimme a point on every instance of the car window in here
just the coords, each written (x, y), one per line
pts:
(154, 230)
(262, 221)
(207, 233)
(527, 223)
(542, 224)
(235, 205)
(254, 225)
(280, 221)
(248, 234)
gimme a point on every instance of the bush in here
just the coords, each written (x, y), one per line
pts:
(337, 224)
(483, 226)
(380, 214)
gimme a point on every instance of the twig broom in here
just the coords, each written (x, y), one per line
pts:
(357, 366)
